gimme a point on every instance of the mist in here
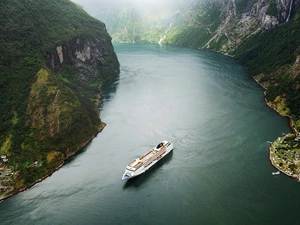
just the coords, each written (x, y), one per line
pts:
(93, 7)
(136, 20)
(142, 4)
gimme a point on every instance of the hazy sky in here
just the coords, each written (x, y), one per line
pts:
(141, 4)
(152, 10)
(136, 2)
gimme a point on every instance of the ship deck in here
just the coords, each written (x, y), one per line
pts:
(145, 158)
(148, 155)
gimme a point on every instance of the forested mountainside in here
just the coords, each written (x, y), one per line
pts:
(273, 58)
(53, 59)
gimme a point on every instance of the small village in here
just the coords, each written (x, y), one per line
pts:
(7, 176)
(285, 155)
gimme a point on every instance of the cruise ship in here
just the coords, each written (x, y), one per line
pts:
(143, 163)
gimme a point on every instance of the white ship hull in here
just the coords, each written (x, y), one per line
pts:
(145, 162)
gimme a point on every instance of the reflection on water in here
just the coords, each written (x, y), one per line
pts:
(77, 154)
(109, 89)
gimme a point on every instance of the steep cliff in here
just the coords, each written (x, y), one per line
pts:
(63, 101)
(223, 25)
(272, 57)
(54, 59)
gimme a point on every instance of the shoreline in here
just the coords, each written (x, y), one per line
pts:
(294, 130)
(272, 148)
(101, 127)
(274, 163)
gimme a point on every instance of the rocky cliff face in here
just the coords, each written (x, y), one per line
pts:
(242, 20)
(62, 106)
(223, 26)
(217, 24)
(89, 55)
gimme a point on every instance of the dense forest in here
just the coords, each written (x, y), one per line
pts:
(273, 56)
(47, 112)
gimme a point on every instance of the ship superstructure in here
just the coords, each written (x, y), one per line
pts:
(146, 161)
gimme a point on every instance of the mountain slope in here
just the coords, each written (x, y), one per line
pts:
(274, 58)
(54, 58)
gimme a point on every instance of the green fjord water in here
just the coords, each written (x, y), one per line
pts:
(218, 173)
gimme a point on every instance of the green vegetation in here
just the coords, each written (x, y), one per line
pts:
(270, 49)
(192, 26)
(210, 16)
(196, 29)
(241, 5)
(272, 9)
(217, 44)
(285, 155)
(188, 37)
(273, 54)
(46, 109)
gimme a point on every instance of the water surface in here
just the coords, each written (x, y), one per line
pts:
(218, 173)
